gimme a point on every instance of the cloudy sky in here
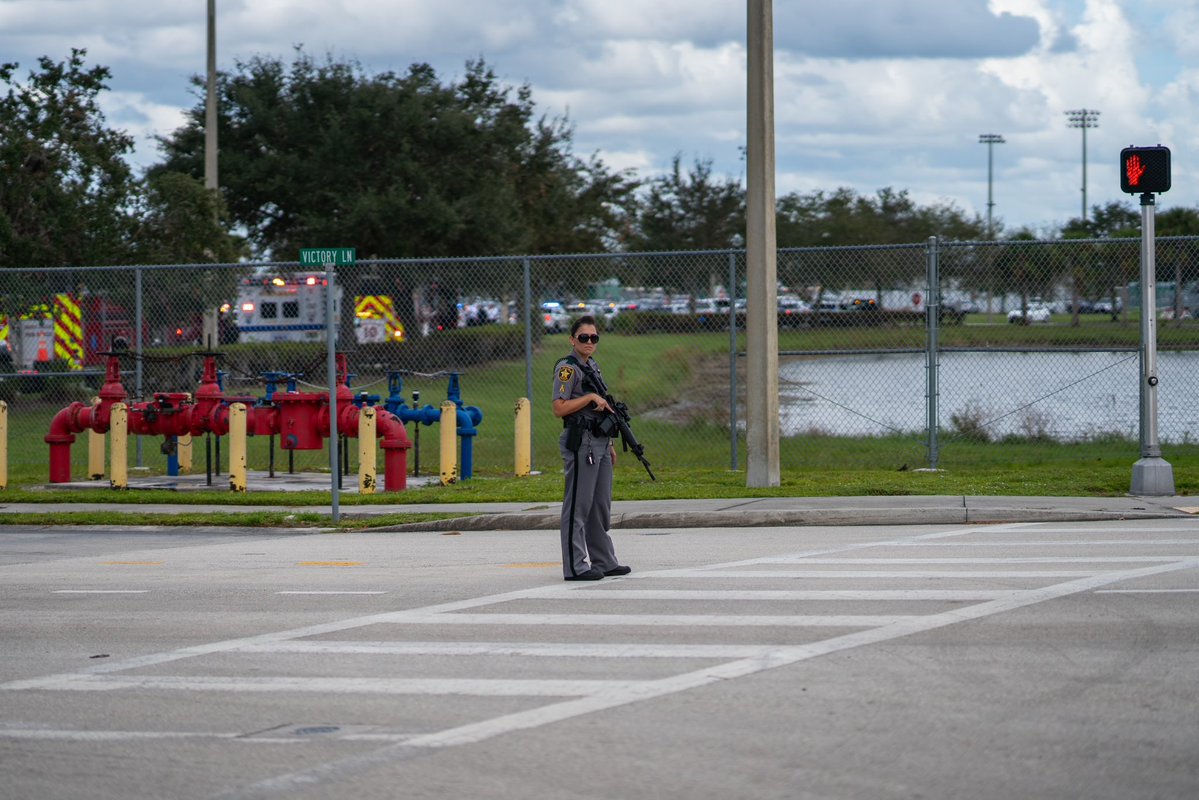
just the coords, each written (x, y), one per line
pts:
(868, 93)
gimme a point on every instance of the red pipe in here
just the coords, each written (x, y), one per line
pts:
(395, 451)
(171, 414)
(77, 418)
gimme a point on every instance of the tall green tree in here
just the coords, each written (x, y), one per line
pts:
(65, 187)
(690, 209)
(397, 165)
(843, 217)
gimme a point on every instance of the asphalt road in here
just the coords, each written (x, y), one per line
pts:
(1026, 660)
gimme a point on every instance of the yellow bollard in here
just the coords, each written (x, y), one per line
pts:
(367, 469)
(118, 464)
(3, 445)
(95, 448)
(237, 447)
(449, 443)
(524, 433)
(183, 450)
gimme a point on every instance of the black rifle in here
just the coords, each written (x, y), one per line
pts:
(620, 414)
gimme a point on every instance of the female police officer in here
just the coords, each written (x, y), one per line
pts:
(588, 454)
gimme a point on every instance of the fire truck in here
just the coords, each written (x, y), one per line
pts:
(291, 308)
(69, 328)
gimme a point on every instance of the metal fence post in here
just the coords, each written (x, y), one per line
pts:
(331, 368)
(733, 360)
(932, 310)
(137, 337)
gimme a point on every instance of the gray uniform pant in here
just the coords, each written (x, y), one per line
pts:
(587, 506)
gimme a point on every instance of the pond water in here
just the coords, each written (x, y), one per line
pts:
(1068, 396)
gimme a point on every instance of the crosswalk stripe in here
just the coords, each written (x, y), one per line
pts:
(830, 573)
(662, 620)
(793, 594)
(979, 561)
(476, 687)
(552, 650)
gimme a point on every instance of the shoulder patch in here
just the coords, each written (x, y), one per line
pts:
(565, 374)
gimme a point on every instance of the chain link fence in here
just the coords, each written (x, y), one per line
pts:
(1034, 343)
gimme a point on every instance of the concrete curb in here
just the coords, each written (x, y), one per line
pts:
(788, 518)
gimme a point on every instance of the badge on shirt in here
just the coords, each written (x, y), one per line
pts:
(565, 374)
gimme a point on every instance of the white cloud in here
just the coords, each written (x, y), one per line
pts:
(869, 93)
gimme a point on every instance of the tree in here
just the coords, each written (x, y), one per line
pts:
(690, 210)
(397, 165)
(66, 187)
(843, 217)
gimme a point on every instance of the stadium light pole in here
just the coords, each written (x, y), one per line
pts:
(1083, 118)
(990, 140)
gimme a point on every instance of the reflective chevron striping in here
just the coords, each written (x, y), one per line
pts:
(68, 330)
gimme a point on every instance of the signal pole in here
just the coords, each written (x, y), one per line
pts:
(990, 140)
(1083, 118)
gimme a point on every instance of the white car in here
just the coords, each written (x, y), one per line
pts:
(555, 318)
(1036, 313)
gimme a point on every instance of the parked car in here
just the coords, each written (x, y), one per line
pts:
(1036, 313)
(555, 317)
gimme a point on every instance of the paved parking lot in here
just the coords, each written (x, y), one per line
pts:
(1016, 660)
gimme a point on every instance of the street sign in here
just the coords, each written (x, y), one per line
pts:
(1145, 169)
(323, 256)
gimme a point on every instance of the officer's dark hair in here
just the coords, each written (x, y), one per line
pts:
(586, 319)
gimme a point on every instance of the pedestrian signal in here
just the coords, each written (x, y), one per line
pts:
(1145, 169)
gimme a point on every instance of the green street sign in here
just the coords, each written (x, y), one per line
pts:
(323, 256)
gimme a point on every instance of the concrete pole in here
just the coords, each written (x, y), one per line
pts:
(762, 335)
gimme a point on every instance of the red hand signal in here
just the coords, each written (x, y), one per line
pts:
(1134, 170)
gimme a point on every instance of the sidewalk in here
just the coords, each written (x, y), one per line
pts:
(725, 513)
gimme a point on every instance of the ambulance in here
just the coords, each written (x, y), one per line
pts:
(291, 308)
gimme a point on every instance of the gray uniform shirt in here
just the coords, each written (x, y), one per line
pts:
(568, 384)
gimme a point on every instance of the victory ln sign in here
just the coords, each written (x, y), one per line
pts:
(323, 256)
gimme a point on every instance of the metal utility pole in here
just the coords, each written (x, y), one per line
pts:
(210, 177)
(762, 333)
(990, 140)
(1083, 118)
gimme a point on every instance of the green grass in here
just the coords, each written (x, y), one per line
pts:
(690, 456)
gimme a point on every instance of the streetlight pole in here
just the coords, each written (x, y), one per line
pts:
(990, 140)
(1083, 118)
(210, 174)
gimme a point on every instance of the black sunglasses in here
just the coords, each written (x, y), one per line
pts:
(587, 338)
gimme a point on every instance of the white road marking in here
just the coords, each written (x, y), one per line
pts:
(830, 573)
(75, 735)
(793, 594)
(481, 687)
(554, 650)
(782, 656)
(589, 696)
(330, 593)
(100, 591)
(660, 620)
(1057, 542)
(1147, 591)
(978, 561)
